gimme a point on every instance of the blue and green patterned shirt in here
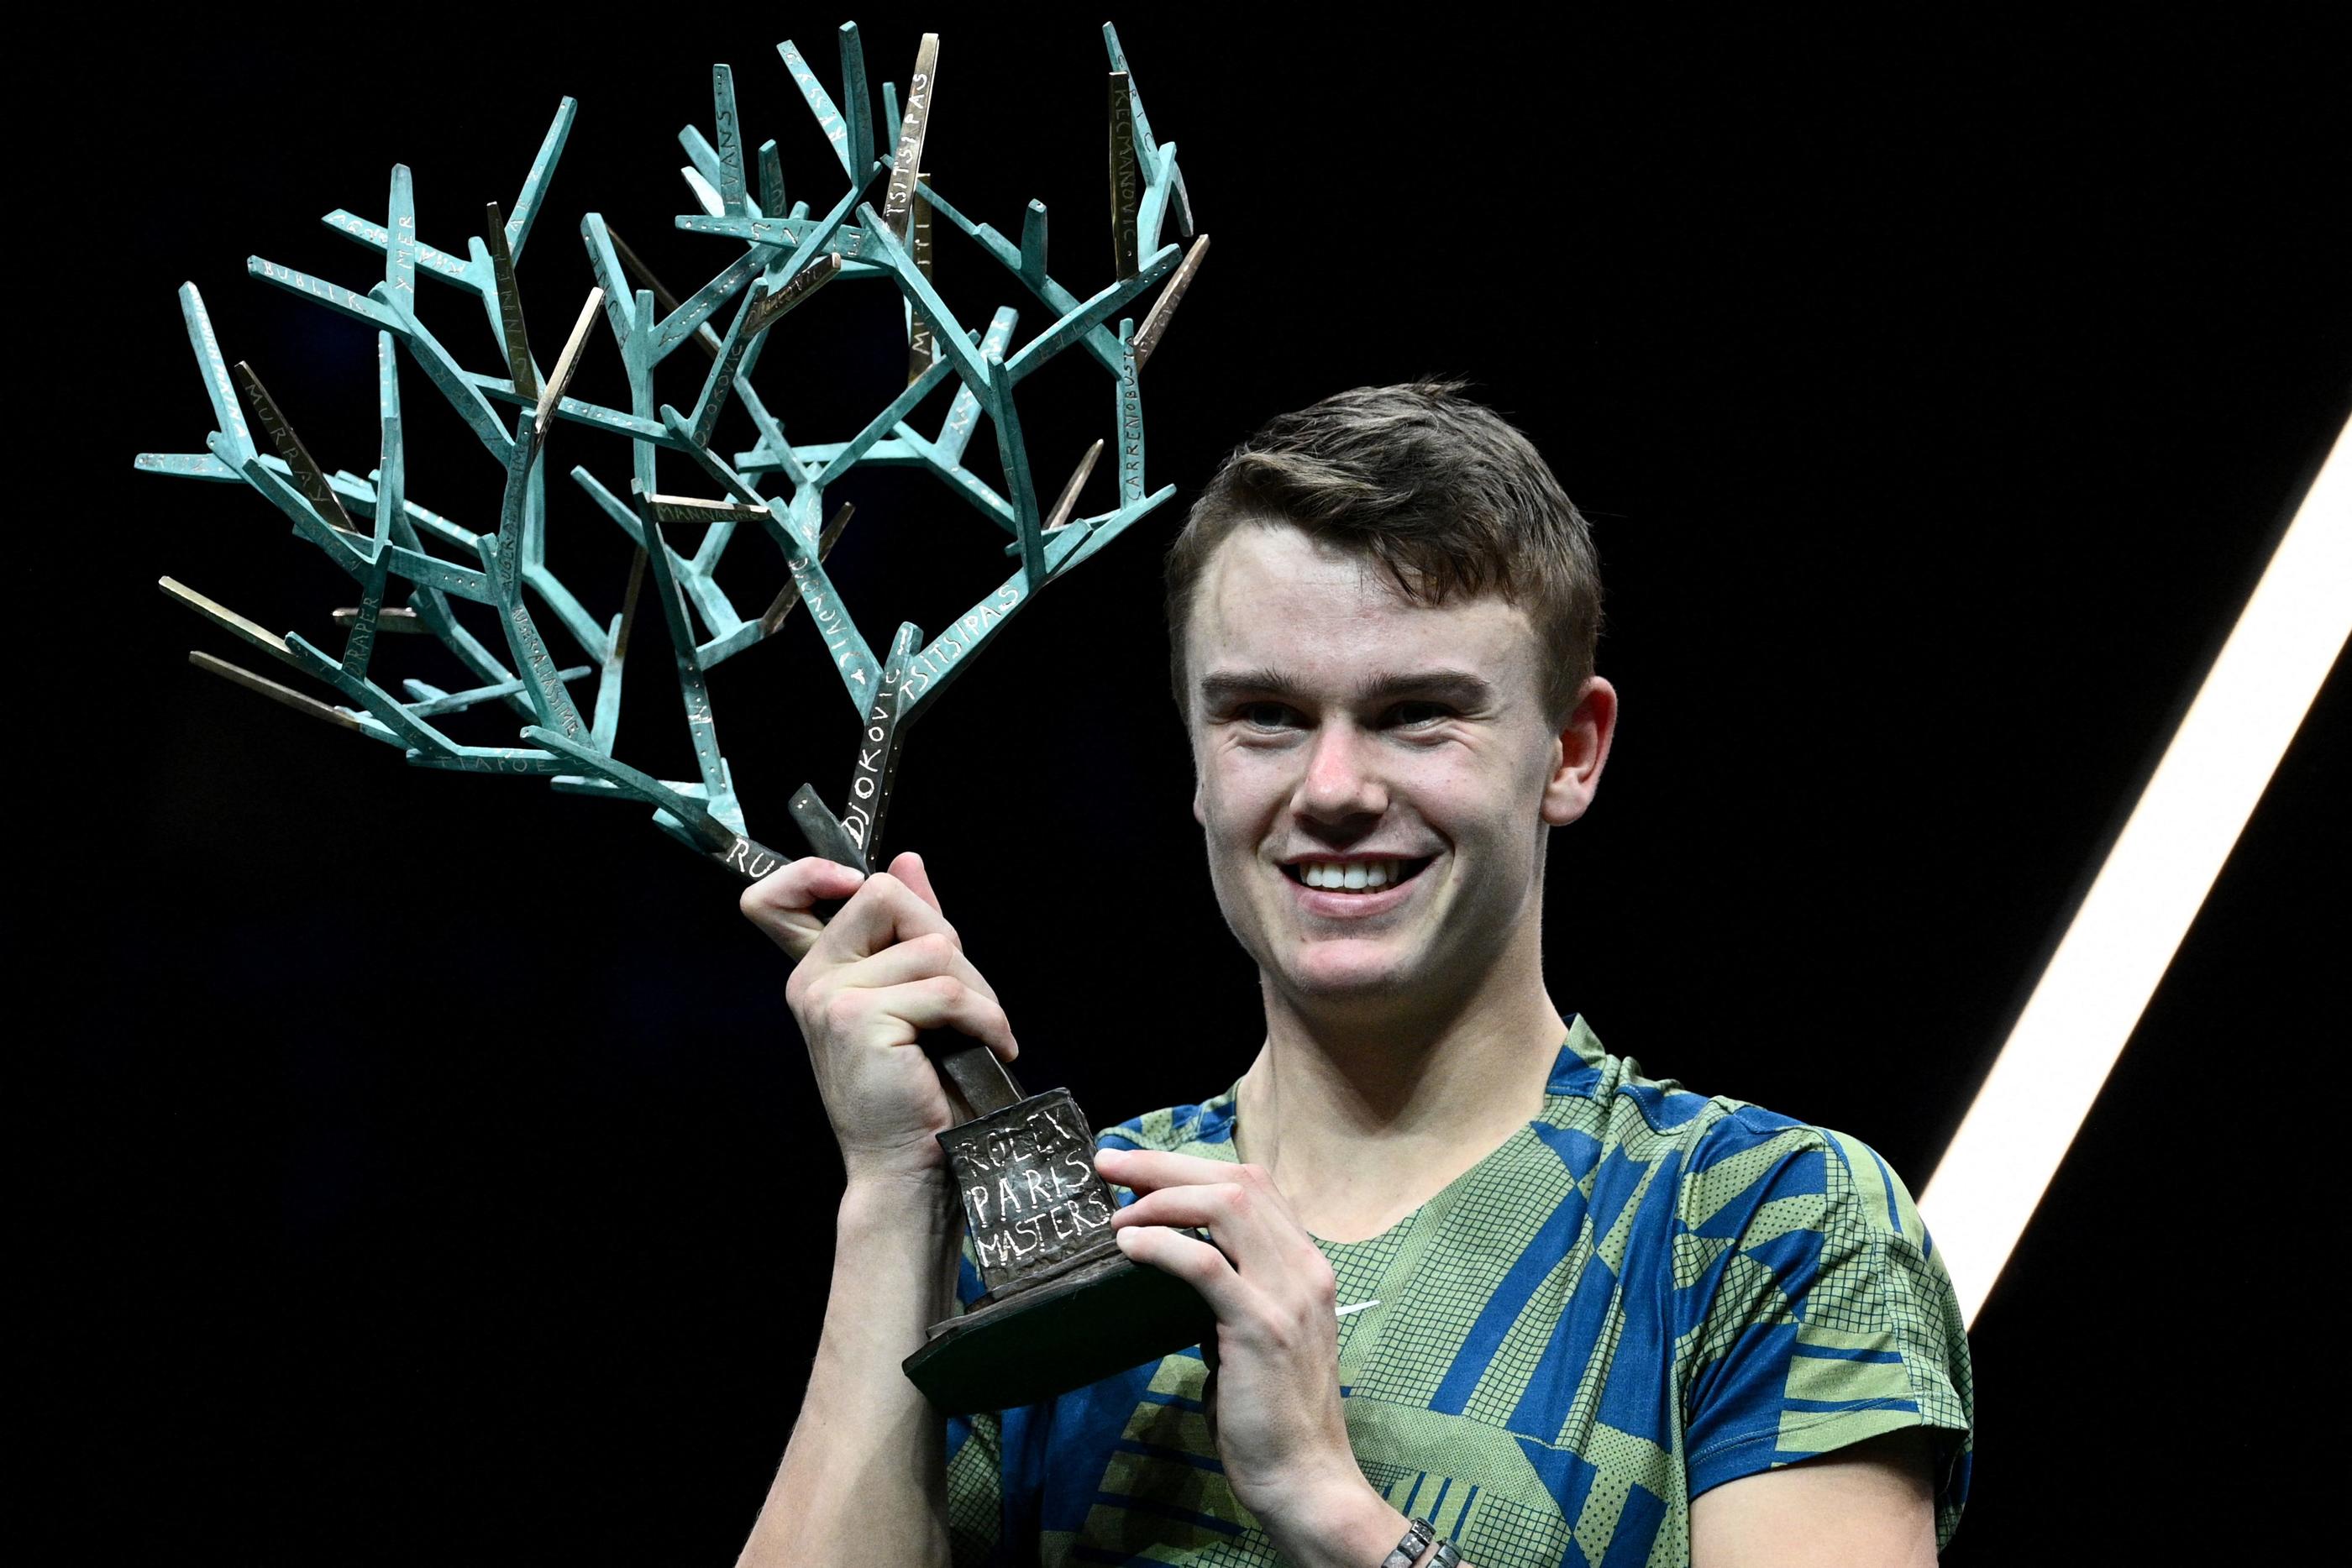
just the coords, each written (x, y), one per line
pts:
(1642, 1294)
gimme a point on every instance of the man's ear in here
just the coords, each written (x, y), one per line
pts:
(1583, 750)
(1200, 780)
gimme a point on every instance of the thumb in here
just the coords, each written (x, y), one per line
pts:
(910, 869)
(783, 903)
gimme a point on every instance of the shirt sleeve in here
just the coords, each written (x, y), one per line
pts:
(1822, 1315)
(975, 1461)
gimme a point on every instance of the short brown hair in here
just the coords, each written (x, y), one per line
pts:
(1437, 488)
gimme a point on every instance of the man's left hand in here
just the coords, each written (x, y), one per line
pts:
(1273, 1394)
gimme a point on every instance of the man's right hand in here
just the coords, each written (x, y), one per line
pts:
(867, 983)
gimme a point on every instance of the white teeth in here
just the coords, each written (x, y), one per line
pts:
(1355, 877)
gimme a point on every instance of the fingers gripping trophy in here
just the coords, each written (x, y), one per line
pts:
(1062, 1306)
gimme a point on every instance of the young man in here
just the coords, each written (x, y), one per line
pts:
(1469, 1268)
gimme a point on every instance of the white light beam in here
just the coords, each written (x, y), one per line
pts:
(2089, 1000)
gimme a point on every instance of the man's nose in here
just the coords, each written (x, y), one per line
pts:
(1343, 777)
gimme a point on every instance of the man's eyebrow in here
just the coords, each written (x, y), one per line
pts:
(1462, 687)
(1260, 682)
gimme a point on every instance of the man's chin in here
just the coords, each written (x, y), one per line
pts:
(1328, 978)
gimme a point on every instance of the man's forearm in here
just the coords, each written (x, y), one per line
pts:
(864, 1478)
(1348, 1525)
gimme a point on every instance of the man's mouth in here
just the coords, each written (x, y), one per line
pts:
(1355, 876)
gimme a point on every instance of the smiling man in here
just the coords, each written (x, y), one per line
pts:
(1484, 1291)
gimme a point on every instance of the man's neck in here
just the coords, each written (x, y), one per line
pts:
(1363, 1119)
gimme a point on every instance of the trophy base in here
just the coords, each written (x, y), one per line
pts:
(1101, 1317)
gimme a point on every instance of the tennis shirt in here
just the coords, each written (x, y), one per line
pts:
(1642, 1294)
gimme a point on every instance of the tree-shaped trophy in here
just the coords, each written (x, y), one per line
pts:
(1062, 1305)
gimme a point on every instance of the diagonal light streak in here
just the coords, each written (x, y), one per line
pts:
(2087, 1002)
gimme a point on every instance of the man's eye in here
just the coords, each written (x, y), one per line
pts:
(1264, 715)
(1409, 715)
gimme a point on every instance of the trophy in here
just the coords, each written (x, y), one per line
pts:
(1063, 1306)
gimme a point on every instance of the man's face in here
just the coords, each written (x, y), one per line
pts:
(1375, 777)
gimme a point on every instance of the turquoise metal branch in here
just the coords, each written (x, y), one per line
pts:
(877, 228)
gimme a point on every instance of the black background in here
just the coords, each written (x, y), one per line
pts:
(444, 1179)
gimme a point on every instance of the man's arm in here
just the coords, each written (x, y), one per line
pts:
(1870, 1505)
(1839, 1321)
(863, 1480)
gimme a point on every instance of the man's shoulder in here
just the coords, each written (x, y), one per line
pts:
(1593, 1089)
(1717, 1145)
(1206, 1128)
